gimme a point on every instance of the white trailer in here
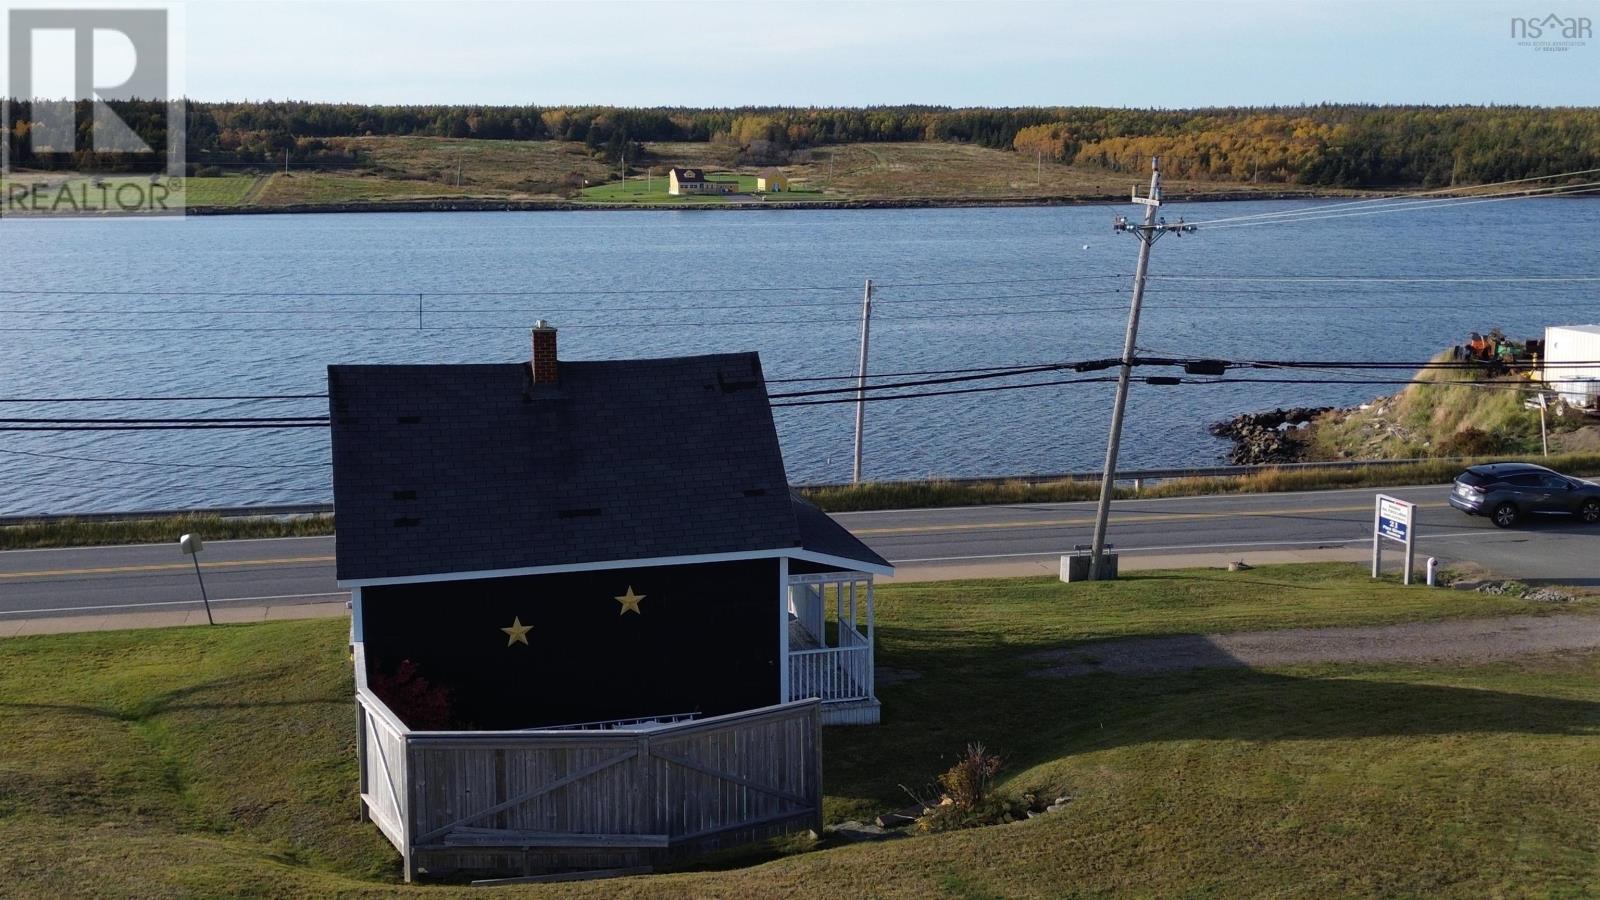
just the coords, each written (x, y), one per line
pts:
(1566, 347)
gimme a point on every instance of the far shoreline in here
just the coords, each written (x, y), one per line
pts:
(485, 204)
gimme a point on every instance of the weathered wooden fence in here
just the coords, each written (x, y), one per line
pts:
(497, 802)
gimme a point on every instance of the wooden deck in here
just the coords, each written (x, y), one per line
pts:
(526, 802)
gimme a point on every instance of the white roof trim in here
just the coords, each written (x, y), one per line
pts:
(571, 567)
(857, 565)
(785, 552)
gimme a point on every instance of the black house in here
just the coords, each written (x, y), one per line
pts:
(598, 544)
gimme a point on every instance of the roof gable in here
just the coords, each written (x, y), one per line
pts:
(463, 468)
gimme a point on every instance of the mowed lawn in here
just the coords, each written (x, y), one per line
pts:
(209, 761)
(323, 187)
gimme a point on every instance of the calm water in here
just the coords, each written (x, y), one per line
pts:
(785, 283)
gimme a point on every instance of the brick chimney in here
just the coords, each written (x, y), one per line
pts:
(544, 353)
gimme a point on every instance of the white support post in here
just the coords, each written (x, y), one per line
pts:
(1411, 550)
(783, 629)
(357, 625)
(1377, 543)
(839, 614)
(853, 606)
(872, 648)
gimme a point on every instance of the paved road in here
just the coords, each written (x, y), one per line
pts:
(36, 583)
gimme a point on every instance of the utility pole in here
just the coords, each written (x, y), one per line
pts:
(1147, 233)
(460, 165)
(1038, 172)
(285, 162)
(861, 379)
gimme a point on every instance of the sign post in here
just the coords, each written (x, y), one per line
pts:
(191, 545)
(1392, 519)
(1541, 403)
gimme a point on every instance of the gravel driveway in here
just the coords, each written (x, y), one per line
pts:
(1459, 639)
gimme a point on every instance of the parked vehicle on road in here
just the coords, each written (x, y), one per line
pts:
(1509, 492)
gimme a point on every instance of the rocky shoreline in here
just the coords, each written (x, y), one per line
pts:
(1264, 438)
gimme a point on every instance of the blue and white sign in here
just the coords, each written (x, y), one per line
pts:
(1392, 519)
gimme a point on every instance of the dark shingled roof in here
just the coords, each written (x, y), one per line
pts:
(462, 468)
(821, 534)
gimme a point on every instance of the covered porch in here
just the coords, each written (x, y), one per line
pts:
(830, 645)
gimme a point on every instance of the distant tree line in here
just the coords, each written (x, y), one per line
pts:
(1347, 146)
(1344, 145)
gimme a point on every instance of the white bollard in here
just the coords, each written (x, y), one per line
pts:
(1433, 572)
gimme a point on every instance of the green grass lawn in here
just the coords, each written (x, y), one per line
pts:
(229, 190)
(211, 761)
(321, 187)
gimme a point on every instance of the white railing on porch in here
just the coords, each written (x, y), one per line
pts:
(842, 673)
(831, 674)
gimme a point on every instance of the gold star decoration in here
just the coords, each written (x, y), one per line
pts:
(516, 632)
(629, 601)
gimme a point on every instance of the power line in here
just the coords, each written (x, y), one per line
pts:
(1055, 367)
(1162, 381)
(454, 311)
(1103, 379)
(588, 292)
(1381, 279)
(975, 373)
(163, 464)
(1397, 198)
(161, 399)
(242, 427)
(255, 329)
(906, 284)
(910, 374)
(1453, 202)
(240, 420)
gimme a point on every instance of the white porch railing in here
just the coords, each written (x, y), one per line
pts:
(842, 673)
(832, 674)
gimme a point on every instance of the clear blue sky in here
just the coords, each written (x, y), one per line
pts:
(1127, 53)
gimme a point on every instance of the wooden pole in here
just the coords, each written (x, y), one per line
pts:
(861, 380)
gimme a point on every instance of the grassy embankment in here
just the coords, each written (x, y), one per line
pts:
(1441, 416)
(219, 761)
(422, 169)
(871, 495)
